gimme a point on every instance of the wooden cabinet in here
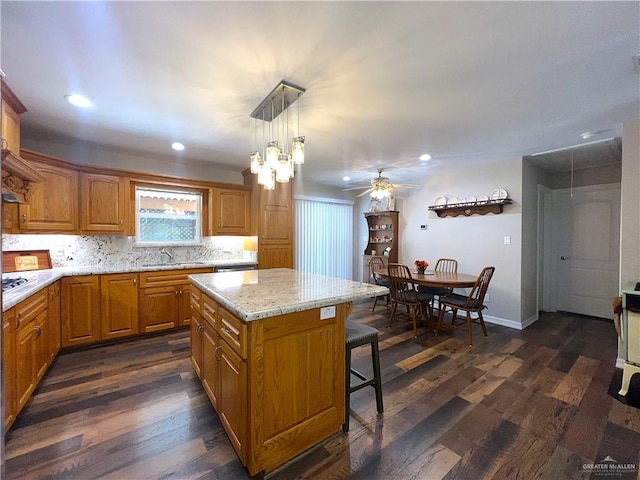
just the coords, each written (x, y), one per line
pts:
(12, 108)
(103, 203)
(9, 367)
(55, 336)
(80, 303)
(229, 211)
(52, 204)
(384, 233)
(31, 347)
(196, 344)
(272, 222)
(260, 383)
(119, 305)
(367, 275)
(164, 299)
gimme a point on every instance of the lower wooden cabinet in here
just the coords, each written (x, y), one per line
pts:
(273, 397)
(165, 298)
(9, 367)
(55, 335)
(119, 305)
(80, 302)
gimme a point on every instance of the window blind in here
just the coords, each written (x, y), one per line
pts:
(324, 237)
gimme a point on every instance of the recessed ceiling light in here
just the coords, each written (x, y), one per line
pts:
(177, 146)
(78, 101)
(346, 178)
(425, 156)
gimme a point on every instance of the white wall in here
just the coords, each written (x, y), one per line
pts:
(630, 207)
(475, 241)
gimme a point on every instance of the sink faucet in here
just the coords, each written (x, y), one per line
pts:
(167, 253)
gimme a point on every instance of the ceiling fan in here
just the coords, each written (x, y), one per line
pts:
(381, 187)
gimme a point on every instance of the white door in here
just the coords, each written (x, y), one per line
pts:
(586, 248)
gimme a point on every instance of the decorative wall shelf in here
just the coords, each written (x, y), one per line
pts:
(471, 208)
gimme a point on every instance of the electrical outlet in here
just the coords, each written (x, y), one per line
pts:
(487, 298)
(507, 240)
(423, 227)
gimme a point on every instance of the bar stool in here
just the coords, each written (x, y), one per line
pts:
(358, 335)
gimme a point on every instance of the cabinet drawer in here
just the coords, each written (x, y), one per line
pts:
(209, 309)
(233, 331)
(30, 308)
(196, 299)
(168, 277)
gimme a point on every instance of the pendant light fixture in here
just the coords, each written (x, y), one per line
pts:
(277, 164)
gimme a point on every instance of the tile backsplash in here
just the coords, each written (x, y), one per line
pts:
(83, 250)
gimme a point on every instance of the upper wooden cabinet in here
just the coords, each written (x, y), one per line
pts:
(103, 203)
(12, 108)
(229, 211)
(52, 204)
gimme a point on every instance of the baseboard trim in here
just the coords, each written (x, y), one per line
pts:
(504, 322)
(619, 362)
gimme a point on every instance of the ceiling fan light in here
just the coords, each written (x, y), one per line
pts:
(298, 150)
(379, 194)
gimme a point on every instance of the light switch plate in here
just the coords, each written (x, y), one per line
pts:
(327, 312)
(507, 240)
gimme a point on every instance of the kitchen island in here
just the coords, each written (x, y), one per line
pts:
(269, 348)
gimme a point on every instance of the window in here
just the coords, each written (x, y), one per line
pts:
(168, 217)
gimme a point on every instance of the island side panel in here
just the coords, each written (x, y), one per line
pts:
(296, 378)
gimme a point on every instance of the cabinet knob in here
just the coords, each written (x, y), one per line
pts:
(121, 222)
(38, 331)
(200, 329)
(135, 281)
(24, 218)
(176, 293)
(227, 330)
(215, 353)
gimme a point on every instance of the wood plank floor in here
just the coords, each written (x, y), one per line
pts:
(518, 405)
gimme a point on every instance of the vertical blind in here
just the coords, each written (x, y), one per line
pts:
(324, 237)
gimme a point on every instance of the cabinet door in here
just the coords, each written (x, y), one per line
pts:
(232, 397)
(52, 204)
(103, 203)
(275, 256)
(210, 341)
(119, 305)
(80, 302)
(42, 345)
(184, 304)
(276, 222)
(55, 338)
(230, 212)
(9, 367)
(10, 128)
(9, 217)
(159, 308)
(196, 344)
(25, 364)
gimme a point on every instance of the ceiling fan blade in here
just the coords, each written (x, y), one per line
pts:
(366, 192)
(355, 188)
(406, 185)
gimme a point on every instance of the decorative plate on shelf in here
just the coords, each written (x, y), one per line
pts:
(471, 199)
(483, 199)
(440, 201)
(453, 201)
(499, 194)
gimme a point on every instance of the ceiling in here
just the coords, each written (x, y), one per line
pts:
(385, 81)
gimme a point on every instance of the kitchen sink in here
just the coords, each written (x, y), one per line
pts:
(179, 264)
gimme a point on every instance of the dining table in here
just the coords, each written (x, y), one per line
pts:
(432, 278)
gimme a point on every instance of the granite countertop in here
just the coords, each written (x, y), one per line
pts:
(39, 279)
(256, 294)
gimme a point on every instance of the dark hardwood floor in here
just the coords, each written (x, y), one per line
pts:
(519, 405)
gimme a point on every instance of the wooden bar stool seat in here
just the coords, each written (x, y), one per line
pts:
(358, 335)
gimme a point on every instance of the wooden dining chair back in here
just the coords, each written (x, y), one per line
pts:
(446, 265)
(376, 264)
(404, 292)
(472, 303)
(442, 265)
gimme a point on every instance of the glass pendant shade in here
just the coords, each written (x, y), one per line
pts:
(256, 162)
(265, 178)
(298, 150)
(283, 170)
(273, 154)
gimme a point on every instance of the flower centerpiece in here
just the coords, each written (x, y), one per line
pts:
(421, 265)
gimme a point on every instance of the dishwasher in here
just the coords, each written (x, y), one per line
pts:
(234, 268)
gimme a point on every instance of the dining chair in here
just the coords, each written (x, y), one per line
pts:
(375, 265)
(472, 303)
(442, 265)
(404, 292)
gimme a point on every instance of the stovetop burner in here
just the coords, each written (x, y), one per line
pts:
(9, 283)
